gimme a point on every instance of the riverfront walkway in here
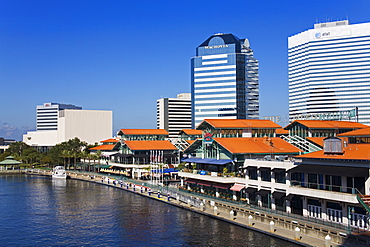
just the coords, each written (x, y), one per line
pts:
(282, 228)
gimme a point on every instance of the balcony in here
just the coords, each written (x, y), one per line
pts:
(212, 177)
(330, 192)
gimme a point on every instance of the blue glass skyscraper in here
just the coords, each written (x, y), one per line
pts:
(224, 80)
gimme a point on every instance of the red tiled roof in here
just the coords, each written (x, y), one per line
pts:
(143, 132)
(351, 152)
(110, 140)
(326, 124)
(359, 132)
(257, 145)
(191, 131)
(242, 123)
(281, 131)
(150, 145)
(103, 147)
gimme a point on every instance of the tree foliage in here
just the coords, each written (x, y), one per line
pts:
(65, 153)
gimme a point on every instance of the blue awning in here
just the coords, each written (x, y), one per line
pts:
(167, 170)
(206, 161)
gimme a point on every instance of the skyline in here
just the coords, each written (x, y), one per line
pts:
(123, 56)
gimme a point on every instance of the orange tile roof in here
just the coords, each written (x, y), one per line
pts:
(150, 145)
(317, 140)
(257, 145)
(103, 147)
(281, 131)
(242, 123)
(110, 140)
(359, 132)
(191, 131)
(144, 131)
(326, 124)
(351, 152)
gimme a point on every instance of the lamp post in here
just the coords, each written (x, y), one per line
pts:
(350, 210)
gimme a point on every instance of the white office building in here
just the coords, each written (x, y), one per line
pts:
(329, 70)
(47, 115)
(90, 126)
(174, 114)
(224, 80)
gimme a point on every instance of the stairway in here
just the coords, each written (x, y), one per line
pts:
(302, 144)
(364, 200)
(180, 144)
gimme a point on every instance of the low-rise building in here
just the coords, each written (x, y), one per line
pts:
(327, 184)
(90, 126)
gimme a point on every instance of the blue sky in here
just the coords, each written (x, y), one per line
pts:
(123, 55)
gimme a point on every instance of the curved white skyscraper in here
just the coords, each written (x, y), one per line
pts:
(224, 80)
(329, 70)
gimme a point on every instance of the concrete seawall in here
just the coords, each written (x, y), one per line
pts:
(278, 227)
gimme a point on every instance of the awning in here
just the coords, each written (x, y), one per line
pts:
(237, 187)
(222, 186)
(166, 170)
(206, 161)
(278, 194)
(192, 181)
(205, 183)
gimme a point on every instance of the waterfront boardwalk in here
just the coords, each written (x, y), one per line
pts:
(260, 222)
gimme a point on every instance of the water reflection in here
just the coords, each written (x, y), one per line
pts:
(45, 212)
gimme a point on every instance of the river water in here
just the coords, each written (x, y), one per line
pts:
(39, 211)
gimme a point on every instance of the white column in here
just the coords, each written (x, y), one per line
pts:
(247, 197)
(259, 201)
(234, 195)
(259, 178)
(273, 205)
(287, 206)
(305, 206)
(367, 186)
(324, 209)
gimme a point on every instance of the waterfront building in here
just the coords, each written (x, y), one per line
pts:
(329, 71)
(174, 114)
(331, 184)
(90, 126)
(213, 129)
(224, 76)
(145, 146)
(47, 115)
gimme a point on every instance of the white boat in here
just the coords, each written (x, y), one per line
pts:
(59, 172)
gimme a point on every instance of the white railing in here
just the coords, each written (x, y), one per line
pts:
(335, 215)
(314, 211)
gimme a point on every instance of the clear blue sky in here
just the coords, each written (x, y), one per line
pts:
(123, 55)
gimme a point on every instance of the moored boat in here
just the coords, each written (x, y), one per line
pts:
(59, 172)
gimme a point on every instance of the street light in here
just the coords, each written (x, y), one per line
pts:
(350, 210)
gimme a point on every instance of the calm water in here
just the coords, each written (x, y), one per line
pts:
(39, 211)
